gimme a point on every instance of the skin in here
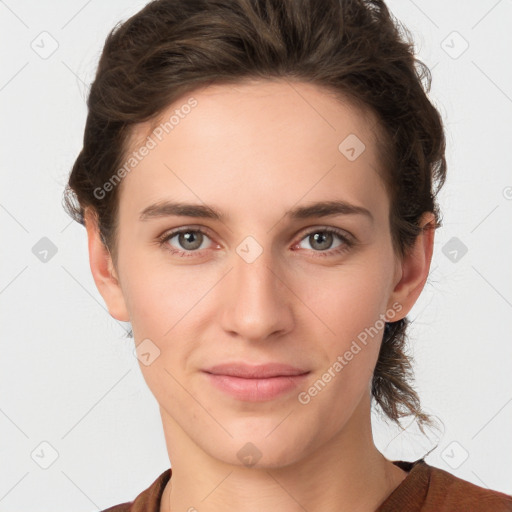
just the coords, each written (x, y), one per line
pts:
(253, 151)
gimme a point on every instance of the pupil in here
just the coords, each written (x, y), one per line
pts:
(321, 237)
(190, 238)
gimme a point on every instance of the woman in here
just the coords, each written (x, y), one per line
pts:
(258, 182)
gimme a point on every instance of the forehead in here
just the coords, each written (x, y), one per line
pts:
(291, 105)
(275, 139)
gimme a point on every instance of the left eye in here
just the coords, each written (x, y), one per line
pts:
(322, 240)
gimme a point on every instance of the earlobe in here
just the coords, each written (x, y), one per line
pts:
(103, 270)
(415, 267)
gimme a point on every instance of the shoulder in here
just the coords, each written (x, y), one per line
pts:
(453, 493)
(430, 489)
(122, 507)
(148, 500)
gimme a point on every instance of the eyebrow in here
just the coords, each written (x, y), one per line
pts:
(313, 210)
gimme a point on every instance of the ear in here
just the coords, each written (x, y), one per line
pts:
(412, 271)
(103, 270)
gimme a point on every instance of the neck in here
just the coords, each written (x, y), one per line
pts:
(347, 473)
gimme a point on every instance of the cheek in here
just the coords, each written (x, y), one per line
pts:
(351, 309)
(348, 299)
(352, 351)
(350, 303)
(150, 310)
(158, 295)
(162, 303)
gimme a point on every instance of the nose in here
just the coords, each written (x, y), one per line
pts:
(257, 301)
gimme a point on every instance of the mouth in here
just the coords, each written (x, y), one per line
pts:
(255, 383)
(262, 371)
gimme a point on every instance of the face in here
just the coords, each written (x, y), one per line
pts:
(271, 280)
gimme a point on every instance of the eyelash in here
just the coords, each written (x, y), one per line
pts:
(348, 242)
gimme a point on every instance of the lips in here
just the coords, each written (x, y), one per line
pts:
(262, 371)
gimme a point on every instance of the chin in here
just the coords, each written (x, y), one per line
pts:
(261, 447)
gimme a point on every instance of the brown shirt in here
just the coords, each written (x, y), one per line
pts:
(424, 489)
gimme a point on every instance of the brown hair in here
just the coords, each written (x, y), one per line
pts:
(354, 48)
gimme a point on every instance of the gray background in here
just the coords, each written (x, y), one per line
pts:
(72, 397)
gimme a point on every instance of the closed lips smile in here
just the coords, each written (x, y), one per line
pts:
(255, 383)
